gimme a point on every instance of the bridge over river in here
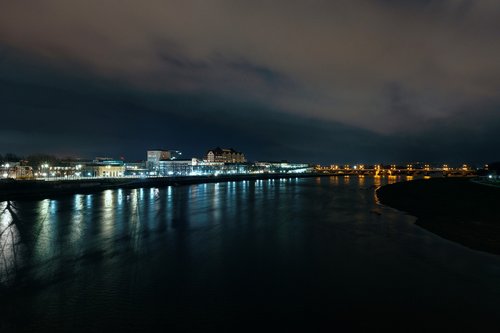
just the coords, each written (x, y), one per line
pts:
(394, 170)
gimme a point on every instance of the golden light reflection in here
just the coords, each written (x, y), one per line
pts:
(361, 180)
(334, 180)
(391, 179)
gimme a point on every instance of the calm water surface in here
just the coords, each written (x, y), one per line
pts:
(310, 253)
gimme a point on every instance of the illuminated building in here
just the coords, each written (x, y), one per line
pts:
(104, 167)
(175, 167)
(16, 171)
(281, 167)
(100, 170)
(155, 156)
(135, 169)
(225, 155)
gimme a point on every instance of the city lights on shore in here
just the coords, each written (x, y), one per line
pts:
(217, 162)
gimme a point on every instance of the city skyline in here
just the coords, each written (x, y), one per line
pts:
(39, 156)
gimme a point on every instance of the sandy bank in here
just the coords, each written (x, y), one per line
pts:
(453, 208)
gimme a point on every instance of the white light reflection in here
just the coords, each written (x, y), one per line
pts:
(119, 198)
(9, 245)
(135, 219)
(78, 202)
(108, 217)
(89, 201)
(76, 218)
(44, 244)
(53, 206)
(108, 198)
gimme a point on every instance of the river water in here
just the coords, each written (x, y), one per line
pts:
(292, 253)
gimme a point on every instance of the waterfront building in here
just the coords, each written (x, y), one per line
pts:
(136, 169)
(23, 172)
(105, 167)
(16, 171)
(225, 155)
(101, 170)
(175, 167)
(282, 167)
(195, 167)
(155, 156)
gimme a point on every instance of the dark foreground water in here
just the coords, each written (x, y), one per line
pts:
(290, 254)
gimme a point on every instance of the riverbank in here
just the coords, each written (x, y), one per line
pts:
(40, 189)
(453, 208)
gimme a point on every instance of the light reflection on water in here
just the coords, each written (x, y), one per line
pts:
(8, 239)
(214, 245)
(43, 242)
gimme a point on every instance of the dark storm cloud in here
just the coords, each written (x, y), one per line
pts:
(92, 117)
(371, 77)
(52, 112)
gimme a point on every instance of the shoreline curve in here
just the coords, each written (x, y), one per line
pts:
(453, 208)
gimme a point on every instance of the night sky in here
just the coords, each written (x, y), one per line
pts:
(308, 81)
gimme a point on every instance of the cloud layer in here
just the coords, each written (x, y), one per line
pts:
(387, 68)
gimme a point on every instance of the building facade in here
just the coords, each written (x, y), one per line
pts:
(136, 169)
(225, 155)
(175, 168)
(104, 167)
(155, 156)
(100, 170)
